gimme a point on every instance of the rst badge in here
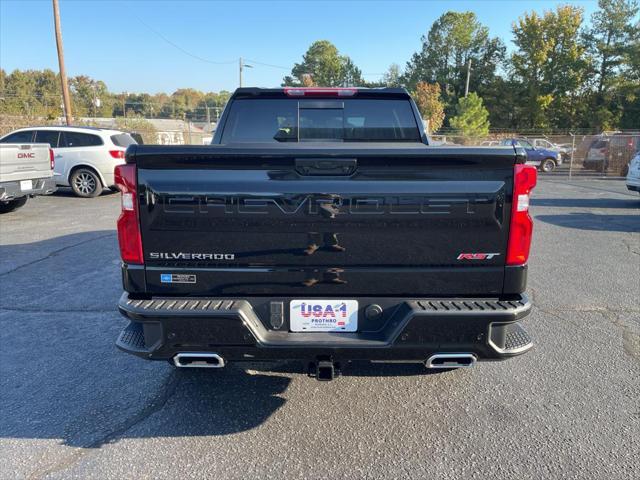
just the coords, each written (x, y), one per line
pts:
(477, 256)
(323, 315)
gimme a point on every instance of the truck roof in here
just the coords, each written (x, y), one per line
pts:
(315, 92)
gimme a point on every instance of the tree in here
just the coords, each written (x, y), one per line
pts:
(427, 97)
(453, 40)
(630, 83)
(326, 67)
(472, 118)
(31, 93)
(551, 64)
(611, 38)
(392, 77)
(84, 93)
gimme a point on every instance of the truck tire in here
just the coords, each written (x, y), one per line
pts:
(85, 183)
(548, 165)
(11, 205)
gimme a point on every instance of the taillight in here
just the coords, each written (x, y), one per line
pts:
(319, 92)
(52, 162)
(128, 222)
(116, 153)
(521, 228)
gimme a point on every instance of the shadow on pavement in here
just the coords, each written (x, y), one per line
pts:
(221, 402)
(594, 221)
(61, 376)
(351, 369)
(586, 202)
(67, 192)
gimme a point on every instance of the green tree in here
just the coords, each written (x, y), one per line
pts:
(453, 40)
(393, 76)
(90, 97)
(472, 118)
(551, 64)
(326, 67)
(30, 92)
(611, 39)
(186, 100)
(630, 83)
(427, 98)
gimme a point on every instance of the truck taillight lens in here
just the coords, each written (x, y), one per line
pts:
(128, 222)
(521, 228)
(52, 161)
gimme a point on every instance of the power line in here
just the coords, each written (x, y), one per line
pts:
(267, 64)
(178, 47)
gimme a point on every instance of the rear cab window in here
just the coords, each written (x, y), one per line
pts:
(320, 120)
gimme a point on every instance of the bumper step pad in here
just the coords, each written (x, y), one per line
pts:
(132, 338)
(510, 339)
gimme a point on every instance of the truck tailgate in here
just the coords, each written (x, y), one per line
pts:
(21, 162)
(324, 220)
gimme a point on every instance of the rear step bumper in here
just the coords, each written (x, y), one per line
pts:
(412, 330)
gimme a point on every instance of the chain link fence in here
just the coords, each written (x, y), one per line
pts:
(606, 154)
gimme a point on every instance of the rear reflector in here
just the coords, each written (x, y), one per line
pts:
(320, 92)
(52, 162)
(521, 228)
(128, 223)
(116, 153)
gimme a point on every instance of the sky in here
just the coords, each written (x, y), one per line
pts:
(160, 46)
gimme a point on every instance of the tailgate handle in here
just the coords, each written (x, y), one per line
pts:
(326, 166)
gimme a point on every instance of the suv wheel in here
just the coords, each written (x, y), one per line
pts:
(548, 165)
(85, 183)
(11, 205)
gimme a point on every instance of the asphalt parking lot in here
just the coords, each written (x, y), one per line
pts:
(72, 406)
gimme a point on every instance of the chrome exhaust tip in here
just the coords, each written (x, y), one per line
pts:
(451, 360)
(198, 360)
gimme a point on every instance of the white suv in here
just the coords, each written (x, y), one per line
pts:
(84, 156)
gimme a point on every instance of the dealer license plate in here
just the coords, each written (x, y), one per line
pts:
(323, 315)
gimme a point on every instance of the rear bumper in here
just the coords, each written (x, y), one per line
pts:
(633, 183)
(245, 329)
(40, 186)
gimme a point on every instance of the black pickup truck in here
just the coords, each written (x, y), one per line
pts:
(321, 226)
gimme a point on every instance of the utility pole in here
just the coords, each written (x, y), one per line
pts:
(241, 66)
(63, 72)
(124, 107)
(466, 88)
